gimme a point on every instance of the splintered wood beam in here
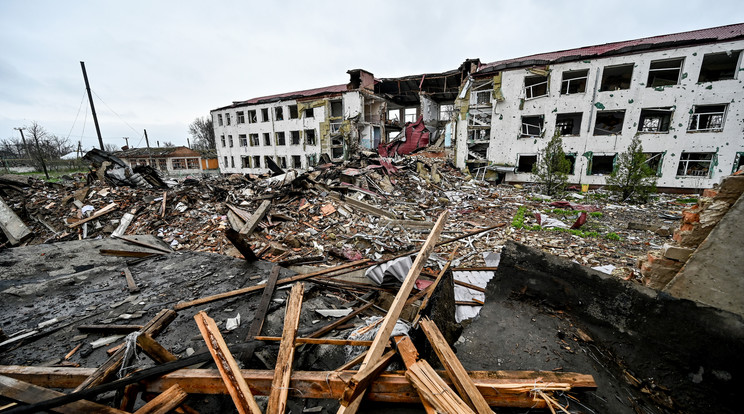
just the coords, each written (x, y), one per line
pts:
(252, 222)
(154, 350)
(234, 382)
(499, 388)
(127, 253)
(165, 402)
(153, 246)
(28, 393)
(162, 206)
(333, 325)
(286, 280)
(456, 372)
(105, 210)
(317, 341)
(371, 374)
(131, 284)
(260, 315)
(433, 388)
(409, 354)
(112, 365)
(353, 362)
(240, 241)
(386, 328)
(280, 385)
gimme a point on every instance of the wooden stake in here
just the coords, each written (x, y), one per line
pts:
(154, 350)
(252, 222)
(130, 281)
(260, 315)
(283, 371)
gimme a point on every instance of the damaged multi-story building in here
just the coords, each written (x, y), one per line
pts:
(681, 93)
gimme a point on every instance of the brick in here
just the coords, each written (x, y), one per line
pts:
(709, 192)
(690, 217)
(680, 254)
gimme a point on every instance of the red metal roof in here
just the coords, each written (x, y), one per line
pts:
(720, 33)
(298, 94)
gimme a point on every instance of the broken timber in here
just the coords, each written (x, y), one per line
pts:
(165, 402)
(105, 210)
(240, 241)
(15, 230)
(409, 354)
(280, 384)
(362, 206)
(386, 328)
(433, 388)
(29, 393)
(260, 314)
(251, 224)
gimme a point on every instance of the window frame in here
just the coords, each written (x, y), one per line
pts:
(239, 117)
(651, 70)
(242, 140)
(529, 90)
(596, 119)
(693, 118)
(541, 127)
(687, 162)
(659, 130)
(566, 83)
(602, 87)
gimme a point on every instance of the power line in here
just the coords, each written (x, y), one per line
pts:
(115, 113)
(76, 117)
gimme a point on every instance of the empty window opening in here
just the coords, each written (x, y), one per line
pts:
(525, 163)
(483, 97)
(609, 123)
(535, 86)
(410, 115)
(232, 162)
(265, 115)
(616, 77)
(532, 126)
(279, 113)
(178, 163)
(664, 72)
(245, 161)
(337, 109)
(293, 114)
(393, 115)
(707, 118)
(568, 124)
(310, 136)
(574, 81)
(227, 118)
(219, 119)
(446, 112)
(252, 117)
(738, 162)
(296, 161)
(281, 161)
(572, 161)
(312, 160)
(655, 120)
(295, 137)
(602, 164)
(479, 136)
(240, 117)
(267, 139)
(254, 140)
(695, 164)
(242, 140)
(222, 140)
(268, 160)
(309, 113)
(230, 140)
(224, 163)
(653, 160)
(256, 161)
(280, 139)
(337, 147)
(719, 66)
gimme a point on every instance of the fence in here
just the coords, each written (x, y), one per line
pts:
(29, 165)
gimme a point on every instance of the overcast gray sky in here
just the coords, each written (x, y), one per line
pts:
(157, 65)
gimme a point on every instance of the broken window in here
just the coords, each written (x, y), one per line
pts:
(719, 66)
(279, 113)
(525, 163)
(222, 140)
(268, 160)
(243, 140)
(267, 139)
(602, 164)
(280, 140)
(162, 164)
(245, 161)
(335, 127)
(655, 120)
(568, 124)
(309, 113)
(616, 77)
(337, 109)
(479, 135)
(253, 139)
(225, 163)
(252, 117)
(227, 118)
(393, 115)
(410, 115)
(265, 115)
(695, 164)
(738, 162)
(535, 86)
(532, 126)
(653, 160)
(219, 119)
(446, 112)
(296, 161)
(240, 117)
(609, 123)
(232, 162)
(179, 163)
(310, 136)
(230, 140)
(337, 147)
(574, 81)
(295, 137)
(312, 160)
(256, 161)
(479, 117)
(707, 118)
(281, 161)
(293, 112)
(572, 161)
(664, 72)
(483, 97)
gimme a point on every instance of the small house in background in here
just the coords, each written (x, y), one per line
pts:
(168, 160)
(209, 161)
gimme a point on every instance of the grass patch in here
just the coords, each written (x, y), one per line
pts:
(518, 223)
(688, 200)
(612, 236)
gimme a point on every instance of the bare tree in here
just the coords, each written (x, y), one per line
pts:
(38, 134)
(168, 144)
(12, 147)
(111, 148)
(202, 132)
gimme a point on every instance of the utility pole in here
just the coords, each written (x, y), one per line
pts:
(80, 149)
(188, 143)
(92, 107)
(149, 153)
(126, 139)
(25, 146)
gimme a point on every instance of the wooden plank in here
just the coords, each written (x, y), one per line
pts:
(331, 326)
(282, 373)
(498, 387)
(260, 315)
(29, 393)
(318, 341)
(475, 269)
(105, 210)
(127, 253)
(430, 289)
(354, 362)
(252, 222)
(409, 354)
(244, 215)
(131, 284)
(431, 386)
(111, 366)
(456, 372)
(153, 246)
(235, 383)
(470, 286)
(162, 206)
(408, 224)
(361, 384)
(109, 329)
(383, 334)
(14, 228)
(362, 206)
(154, 350)
(165, 402)
(241, 242)
(225, 295)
